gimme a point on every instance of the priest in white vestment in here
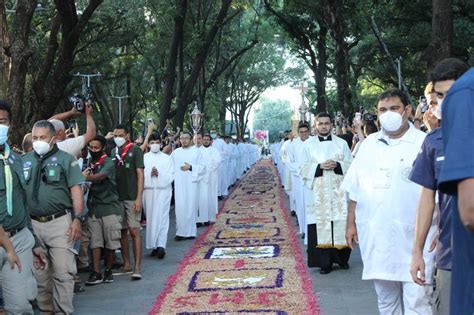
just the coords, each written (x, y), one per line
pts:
(159, 175)
(382, 209)
(295, 155)
(208, 185)
(220, 145)
(188, 171)
(324, 163)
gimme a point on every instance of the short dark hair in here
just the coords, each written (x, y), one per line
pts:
(123, 127)
(207, 135)
(186, 133)
(448, 69)
(45, 124)
(323, 115)
(4, 105)
(101, 139)
(394, 93)
(303, 124)
(154, 137)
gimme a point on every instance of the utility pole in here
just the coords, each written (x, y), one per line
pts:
(120, 105)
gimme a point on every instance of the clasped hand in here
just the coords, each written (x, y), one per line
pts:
(328, 165)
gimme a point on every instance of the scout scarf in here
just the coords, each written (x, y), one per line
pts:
(119, 158)
(39, 171)
(8, 178)
(99, 162)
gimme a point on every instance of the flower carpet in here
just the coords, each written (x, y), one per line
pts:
(248, 262)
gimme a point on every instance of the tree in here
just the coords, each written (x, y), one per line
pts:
(274, 116)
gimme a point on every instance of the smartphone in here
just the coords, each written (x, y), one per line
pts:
(357, 117)
(72, 124)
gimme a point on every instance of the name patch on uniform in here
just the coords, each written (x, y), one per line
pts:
(51, 173)
(440, 158)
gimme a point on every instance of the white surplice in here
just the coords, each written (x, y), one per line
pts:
(326, 202)
(378, 180)
(208, 185)
(186, 188)
(295, 156)
(221, 146)
(157, 198)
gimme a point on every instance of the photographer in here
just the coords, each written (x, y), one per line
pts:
(74, 145)
(364, 126)
(425, 120)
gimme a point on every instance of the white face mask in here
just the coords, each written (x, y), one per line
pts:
(41, 147)
(119, 141)
(3, 134)
(437, 112)
(391, 121)
(155, 147)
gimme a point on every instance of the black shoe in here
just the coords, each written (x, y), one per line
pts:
(154, 252)
(179, 238)
(190, 237)
(220, 198)
(325, 271)
(78, 288)
(206, 223)
(293, 213)
(160, 252)
(344, 266)
(108, 277)
(303, 235)
(94, 278)
(199, 224)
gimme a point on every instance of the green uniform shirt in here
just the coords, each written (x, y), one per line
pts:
(126, 172)
(48, 181)
(19, 218)
(103, 197)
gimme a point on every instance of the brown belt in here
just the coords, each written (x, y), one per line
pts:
(47, 218)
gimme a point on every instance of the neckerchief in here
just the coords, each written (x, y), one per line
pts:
(119, 158)
(39, 171)
(100, 161)
(8, 178)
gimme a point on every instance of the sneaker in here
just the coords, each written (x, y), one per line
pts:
(108, 277)
(123, 271)
(136, 275)
(160, 252)
(94, 278)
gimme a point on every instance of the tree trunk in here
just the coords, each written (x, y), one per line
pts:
(20, 53)
(334, 16)
(170, 73)
(320, 72)
(441, 32)
(182, 103)
(4, 58)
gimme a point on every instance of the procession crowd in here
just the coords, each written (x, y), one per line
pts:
(400, 184)
(65, 196)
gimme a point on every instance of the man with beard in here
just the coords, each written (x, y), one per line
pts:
(324, 163)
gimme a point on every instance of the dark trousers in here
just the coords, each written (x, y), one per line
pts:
(324, 257)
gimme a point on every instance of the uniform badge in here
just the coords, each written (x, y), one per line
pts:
(406, 174)
(27, 164)
(54, 159)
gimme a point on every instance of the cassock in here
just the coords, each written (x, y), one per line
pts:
(157, 198)
(295, 155)
(185, 189)
(208, 185)
(326, 202)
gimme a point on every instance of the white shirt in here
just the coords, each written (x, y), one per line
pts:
(72, 146)
(378, 180)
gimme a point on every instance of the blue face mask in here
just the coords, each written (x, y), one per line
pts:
(3, 134)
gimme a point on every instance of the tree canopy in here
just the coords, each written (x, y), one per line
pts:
(163, 56)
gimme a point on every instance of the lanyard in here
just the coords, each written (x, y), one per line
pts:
(120, 158)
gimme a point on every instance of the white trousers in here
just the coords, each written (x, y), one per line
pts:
(396, 297)
(156, 203)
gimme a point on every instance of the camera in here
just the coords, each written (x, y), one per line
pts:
(79, 101)
(423, 104)
(368, 117)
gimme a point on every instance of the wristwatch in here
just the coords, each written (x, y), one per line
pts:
(80, 217)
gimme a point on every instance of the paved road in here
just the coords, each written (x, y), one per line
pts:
(341, 292)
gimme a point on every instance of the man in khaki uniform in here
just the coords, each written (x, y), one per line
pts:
(55, 202)
(18, 288)
(130, 178)
(105, 210)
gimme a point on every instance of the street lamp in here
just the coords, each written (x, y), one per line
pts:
(196, 119)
